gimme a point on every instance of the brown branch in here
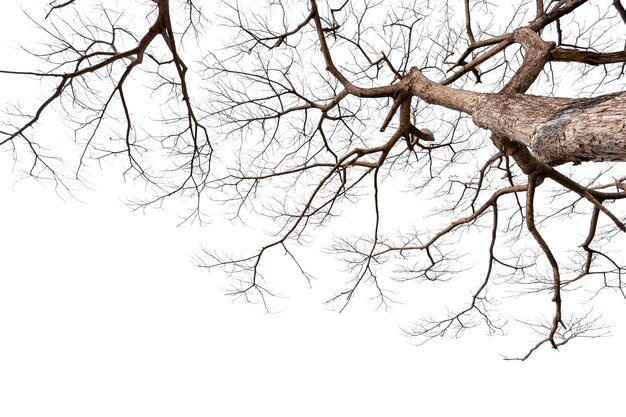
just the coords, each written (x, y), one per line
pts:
(465, 220)
(434, 328)
(55, 6)
(593, 196)
(384, 91)
(468, 23)
(556, 275)
(537, 54)
(587, 57)
(540, 9)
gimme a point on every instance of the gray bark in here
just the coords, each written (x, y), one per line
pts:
(557, 130)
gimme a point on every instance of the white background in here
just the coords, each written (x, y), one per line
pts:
(102, 313)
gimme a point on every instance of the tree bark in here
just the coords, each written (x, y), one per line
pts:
(557, 130)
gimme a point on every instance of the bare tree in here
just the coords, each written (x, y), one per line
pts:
(309, 107)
